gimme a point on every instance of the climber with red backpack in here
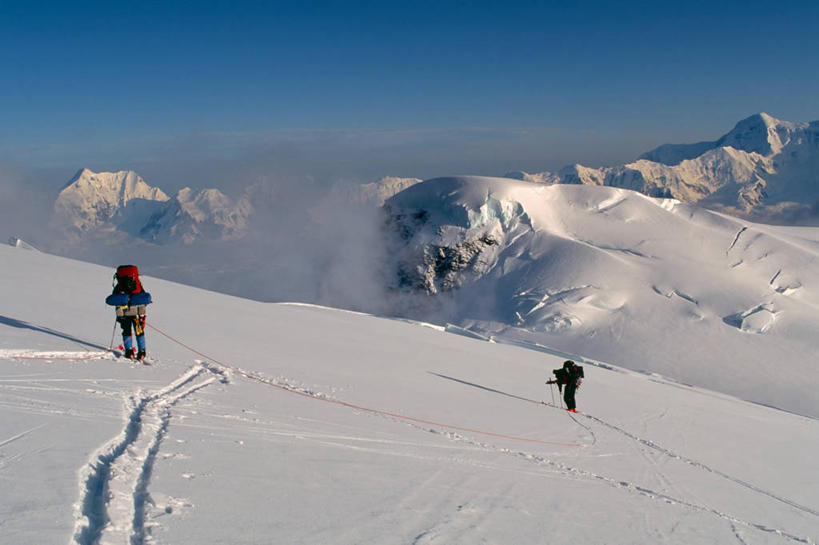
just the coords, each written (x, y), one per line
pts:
(130, 299)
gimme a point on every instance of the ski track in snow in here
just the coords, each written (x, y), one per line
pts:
(578, 473)
(581, 474)
(704, 467)
(652, 445)
(114, 484)
(632, 487)
(224, 371)
(19, 435)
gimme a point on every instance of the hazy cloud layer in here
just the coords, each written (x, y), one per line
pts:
(234, 159)
(301, 164)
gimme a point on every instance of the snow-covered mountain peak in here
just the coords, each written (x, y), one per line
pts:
(193, 214)
(81, 173)
(762, 134)
(127, 184)
(91, 199)
(470, 202)
(122, 201)
(764, 169)
(578, 174)
(372, 193)
(206, 199)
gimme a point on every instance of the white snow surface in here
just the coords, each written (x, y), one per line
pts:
(295, 424)
(649, 284)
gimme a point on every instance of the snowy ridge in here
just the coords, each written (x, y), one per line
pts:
(586, 269)
(763, 168)
(761, 133)
(208, 214)
(374, 193)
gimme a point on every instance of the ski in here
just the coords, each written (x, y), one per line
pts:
(120, 353)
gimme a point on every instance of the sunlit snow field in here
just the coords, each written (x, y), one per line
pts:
(277, 423)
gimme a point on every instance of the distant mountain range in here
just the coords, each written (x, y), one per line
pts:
(764, 169)
(124, 204)
(122, 201)
(91, 200)
(576, 266)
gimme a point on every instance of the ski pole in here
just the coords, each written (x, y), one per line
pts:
(552, 389)
(113, 333)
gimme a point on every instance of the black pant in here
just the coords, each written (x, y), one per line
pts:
(126, 322)
(568, 395)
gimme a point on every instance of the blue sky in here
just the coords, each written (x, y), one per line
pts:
(364, 89)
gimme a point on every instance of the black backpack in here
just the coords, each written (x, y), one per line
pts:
(564, 374)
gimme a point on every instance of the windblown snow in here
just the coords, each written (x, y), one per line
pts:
(277, 423)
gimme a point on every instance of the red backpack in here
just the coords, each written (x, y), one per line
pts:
(127, 279)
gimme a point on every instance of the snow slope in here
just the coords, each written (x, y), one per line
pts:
(277, 423)
(648, 284)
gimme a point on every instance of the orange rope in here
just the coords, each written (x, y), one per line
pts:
(268, 382)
